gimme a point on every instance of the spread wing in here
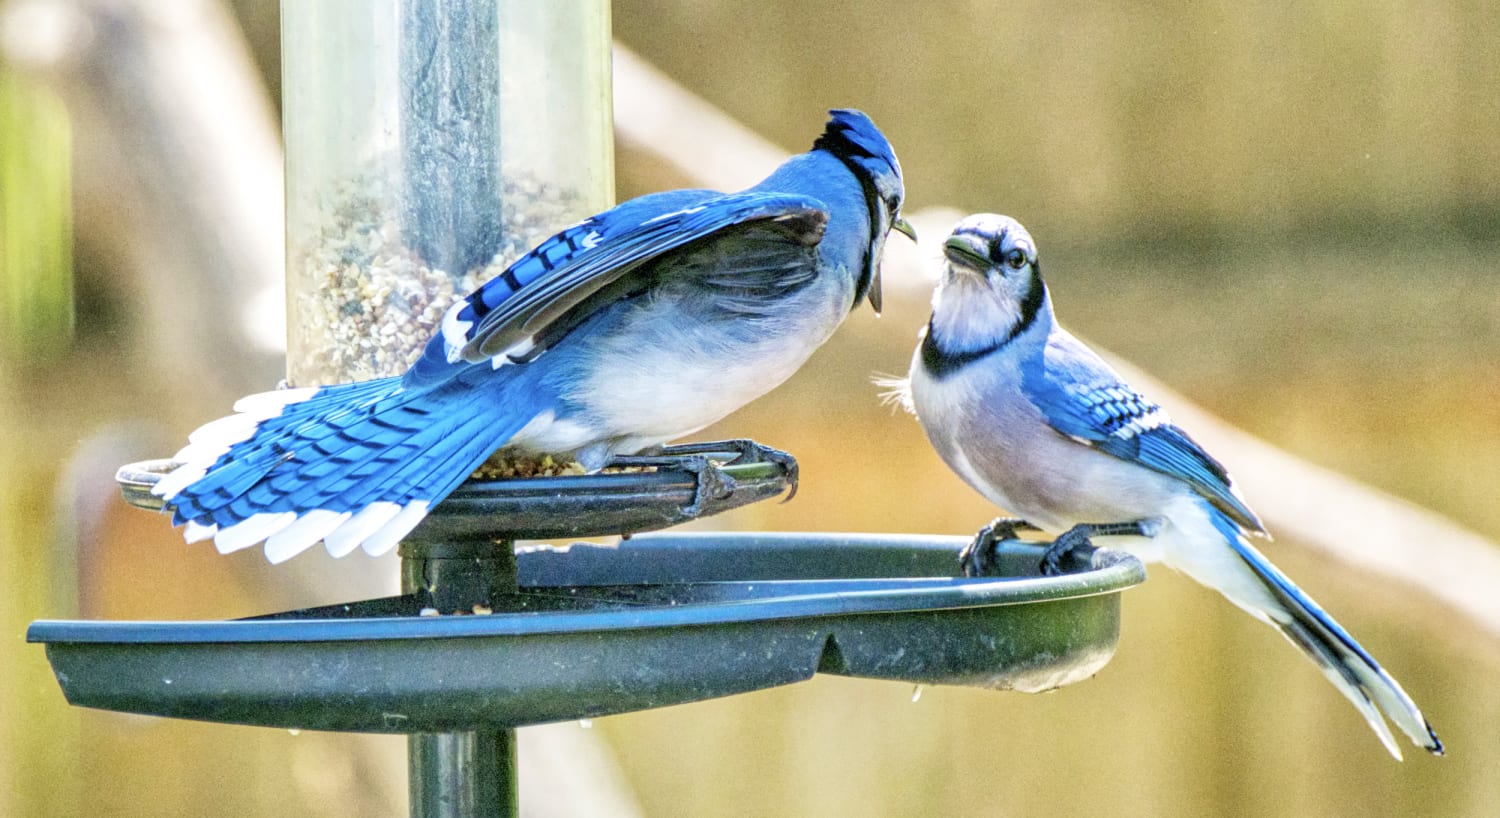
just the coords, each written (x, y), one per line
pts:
(599, 255)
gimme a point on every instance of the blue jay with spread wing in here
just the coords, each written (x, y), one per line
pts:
(634, 327)
(1037, 423)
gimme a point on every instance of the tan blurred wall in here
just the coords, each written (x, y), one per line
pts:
(1117, 115)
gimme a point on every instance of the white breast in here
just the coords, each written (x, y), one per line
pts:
(999, 443)
(667, 377)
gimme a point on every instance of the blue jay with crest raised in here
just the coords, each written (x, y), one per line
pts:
(632, 328)
(1041, 426)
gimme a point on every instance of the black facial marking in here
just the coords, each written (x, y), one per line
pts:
(850, 154)
(1036, 296)
(996, 242)
(835, 142)
(852, 139)
(940, 363)
(872, 201)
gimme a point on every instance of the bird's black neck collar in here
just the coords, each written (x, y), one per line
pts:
(846, 151)
(940, 363)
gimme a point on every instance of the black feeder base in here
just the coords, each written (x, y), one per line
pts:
(484, 639)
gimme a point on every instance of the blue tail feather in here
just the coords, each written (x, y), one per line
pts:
(328, 401)
(250, 461)
(230, 479)
(397, 470)
(322, 481)
(381, 446)
(1292, 597)
(1359, 677)
(477, 439)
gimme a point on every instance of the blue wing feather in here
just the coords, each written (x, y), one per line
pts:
(1083, 398)
(569, 244)
(565, 270)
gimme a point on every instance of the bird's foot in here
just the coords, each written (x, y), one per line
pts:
(746, 451)
(978, 558)
(711, 483)
(1060, 552)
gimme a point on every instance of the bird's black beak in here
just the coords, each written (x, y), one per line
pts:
(903, 227)
(966, 250)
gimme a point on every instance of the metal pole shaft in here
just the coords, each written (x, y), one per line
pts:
(463, 775)
(450, 101)
(468, 774)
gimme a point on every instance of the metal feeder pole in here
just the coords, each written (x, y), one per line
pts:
(428, 144)
(449, 118)
(463, 774)
(470, 773)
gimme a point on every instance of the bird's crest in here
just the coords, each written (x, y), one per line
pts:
(852, 137)
(851, 133)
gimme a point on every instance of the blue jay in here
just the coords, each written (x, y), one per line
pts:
(636, 326)
(1037, 423)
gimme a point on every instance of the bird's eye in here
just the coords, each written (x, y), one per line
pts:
(1016, 259)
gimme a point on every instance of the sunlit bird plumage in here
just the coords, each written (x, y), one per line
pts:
(1036, 422)
(634, 327)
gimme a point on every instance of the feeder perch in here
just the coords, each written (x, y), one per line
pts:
(588, 630)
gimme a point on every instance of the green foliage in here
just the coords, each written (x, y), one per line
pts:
(36, 222)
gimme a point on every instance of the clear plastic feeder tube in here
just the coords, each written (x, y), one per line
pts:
(428, 144)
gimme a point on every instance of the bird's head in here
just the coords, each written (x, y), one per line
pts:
(853, 138)
(991, 289)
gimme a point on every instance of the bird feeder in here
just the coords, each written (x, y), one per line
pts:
(428, 144)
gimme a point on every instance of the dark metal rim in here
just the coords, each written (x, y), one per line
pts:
(1113, 572)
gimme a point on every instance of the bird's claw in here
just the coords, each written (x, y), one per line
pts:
(711, 484)
(787, 463)
(746, 451)
(711, 481)
(1061, 552)
(978, 558)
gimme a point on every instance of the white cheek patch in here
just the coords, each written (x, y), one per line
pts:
(967, 313)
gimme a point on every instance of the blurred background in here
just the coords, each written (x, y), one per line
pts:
(1289, 215)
